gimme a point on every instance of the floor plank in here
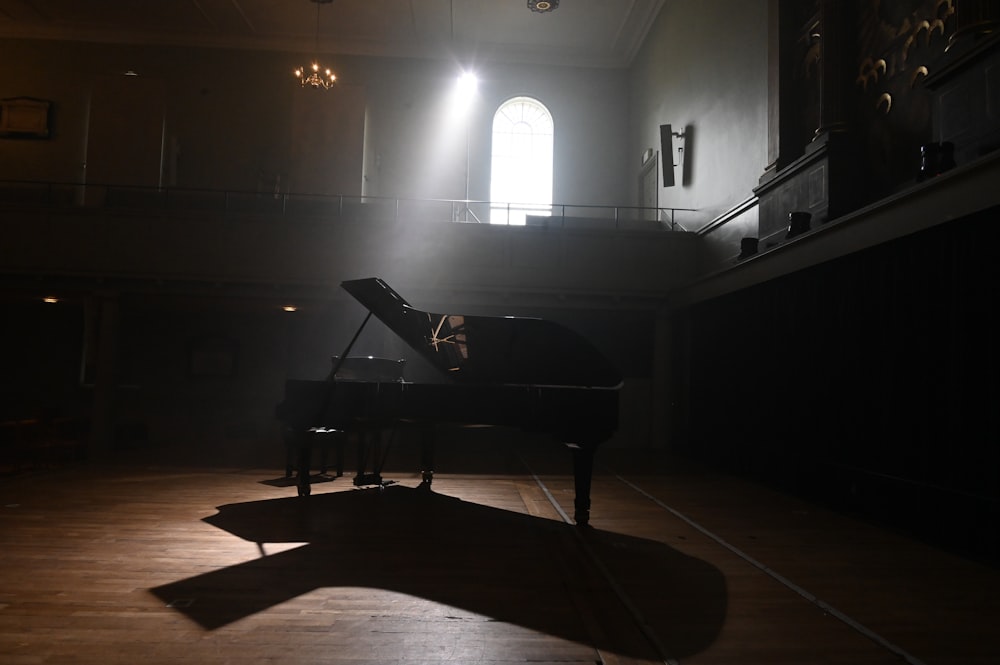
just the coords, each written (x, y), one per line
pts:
(143, 561)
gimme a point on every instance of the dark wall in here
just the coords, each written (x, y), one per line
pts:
(869, 382)
(40, 364)
(196, 378)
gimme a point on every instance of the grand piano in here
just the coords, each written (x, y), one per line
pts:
(525, 373)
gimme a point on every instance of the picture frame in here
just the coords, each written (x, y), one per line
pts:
(24, 117)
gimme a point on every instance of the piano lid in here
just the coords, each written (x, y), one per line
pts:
(488, 349)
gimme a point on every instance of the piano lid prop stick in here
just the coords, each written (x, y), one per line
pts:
(336, 368)
(304, 458)
(343, 356)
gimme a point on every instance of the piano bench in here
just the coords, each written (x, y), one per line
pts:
(320, 438)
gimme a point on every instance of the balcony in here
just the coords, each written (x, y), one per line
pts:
(99, 232)
(186, 201)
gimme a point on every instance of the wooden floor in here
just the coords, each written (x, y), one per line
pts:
(145, 562)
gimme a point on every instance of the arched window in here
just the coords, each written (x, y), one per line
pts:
(521, 173)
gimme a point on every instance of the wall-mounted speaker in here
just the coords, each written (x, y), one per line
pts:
(667, 154)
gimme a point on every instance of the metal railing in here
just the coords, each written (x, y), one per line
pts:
(176, 200)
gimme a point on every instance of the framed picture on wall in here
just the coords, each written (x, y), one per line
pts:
(24, 117)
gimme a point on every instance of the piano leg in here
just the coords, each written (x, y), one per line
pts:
(369, 448)
(426, 455)
(583, 470)
(324, 451)
(289, 455)
(289, 442)
(303, 442)
(339, 443)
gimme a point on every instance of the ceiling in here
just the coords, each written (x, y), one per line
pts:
(590, 33)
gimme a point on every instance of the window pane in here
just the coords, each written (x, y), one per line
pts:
(521, 180)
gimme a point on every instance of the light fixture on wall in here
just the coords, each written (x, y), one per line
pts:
(316, 76)
(543, 6)
(667, 136)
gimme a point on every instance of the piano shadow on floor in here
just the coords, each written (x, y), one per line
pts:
(507, 566)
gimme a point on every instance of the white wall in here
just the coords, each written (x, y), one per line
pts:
(703, 68)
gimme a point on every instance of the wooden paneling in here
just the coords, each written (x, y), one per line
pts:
(864, 381)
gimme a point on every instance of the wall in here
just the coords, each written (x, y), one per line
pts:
(286, 250)
(174, 279)
(237, 120)
(867, 382)
(195, 375)
(703, 69)
(413, 152)
(227, 121)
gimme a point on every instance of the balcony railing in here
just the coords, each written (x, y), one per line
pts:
(175, 200)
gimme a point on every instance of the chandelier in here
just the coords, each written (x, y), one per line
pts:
(316, 76)
(542, 6)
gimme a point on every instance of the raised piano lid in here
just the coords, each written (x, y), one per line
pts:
(490, 349)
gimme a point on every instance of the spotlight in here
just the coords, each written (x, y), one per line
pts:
(463, 94)
(467, 83)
